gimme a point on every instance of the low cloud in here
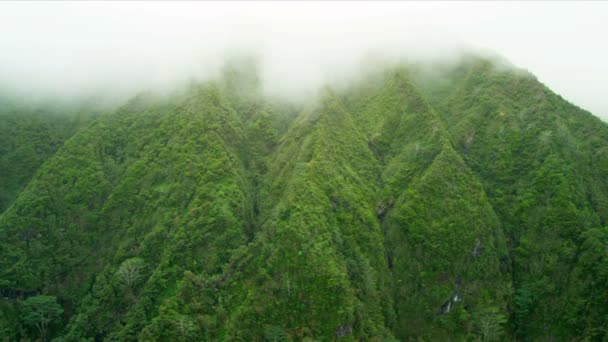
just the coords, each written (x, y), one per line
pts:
(68, 49)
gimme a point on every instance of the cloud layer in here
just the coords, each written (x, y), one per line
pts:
(73, 48)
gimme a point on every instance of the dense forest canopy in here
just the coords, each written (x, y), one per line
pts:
(458, 202)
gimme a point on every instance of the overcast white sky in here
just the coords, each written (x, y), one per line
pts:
(63, 48)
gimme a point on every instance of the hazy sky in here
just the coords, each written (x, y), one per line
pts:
(65, 48)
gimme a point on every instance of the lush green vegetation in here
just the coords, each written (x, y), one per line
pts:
(30, 134)
(463, 202)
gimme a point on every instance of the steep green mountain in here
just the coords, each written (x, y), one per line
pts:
(463, 202)
(543, 163)
(30, 134)
(444, 241)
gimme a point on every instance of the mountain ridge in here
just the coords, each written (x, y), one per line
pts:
(401, 207)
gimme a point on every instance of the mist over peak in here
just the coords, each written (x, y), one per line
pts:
(69, 49)
(394, 171)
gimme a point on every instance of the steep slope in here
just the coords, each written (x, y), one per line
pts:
(29, 135)
(125, 207)
(317, 268)
(445, 245)
(543, 163)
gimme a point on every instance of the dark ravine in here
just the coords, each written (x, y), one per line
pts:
(398, 208)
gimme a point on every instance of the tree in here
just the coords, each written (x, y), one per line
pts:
(40, 311)
(130, 271)
(489, 323)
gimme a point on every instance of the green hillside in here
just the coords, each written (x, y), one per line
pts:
(31, 133)
(462, 202)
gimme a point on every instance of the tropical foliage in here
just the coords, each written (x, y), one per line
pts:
(461, 202)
